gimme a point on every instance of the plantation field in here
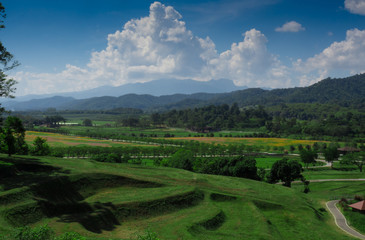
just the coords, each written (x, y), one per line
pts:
(59, 140)
(107, 127)
(154, 132)
(118, 201)
(263, 142)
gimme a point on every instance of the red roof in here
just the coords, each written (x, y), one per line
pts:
(359, 205)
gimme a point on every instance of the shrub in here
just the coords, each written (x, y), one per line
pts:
(148, 236)
(43, 232)
(70, 236)
(40, 147)
(114, 158)
(359, 198)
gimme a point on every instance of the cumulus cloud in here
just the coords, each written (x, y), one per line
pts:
(355, 6)
(160, 46)
(153, 46)
(71, 79)
(291, 26)
(249, 63)
(339, 56)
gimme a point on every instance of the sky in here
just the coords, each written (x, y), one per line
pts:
(75, 45)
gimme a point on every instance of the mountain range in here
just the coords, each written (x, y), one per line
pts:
(157, 87)
(348, 91)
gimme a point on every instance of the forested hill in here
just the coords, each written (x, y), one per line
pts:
(341, 91)
(345, 92)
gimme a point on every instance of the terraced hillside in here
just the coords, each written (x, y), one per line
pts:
(116, 201)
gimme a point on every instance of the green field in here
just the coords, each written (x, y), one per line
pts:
(118, 201)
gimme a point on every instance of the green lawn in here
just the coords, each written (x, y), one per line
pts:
(326, 173)
(116, 201)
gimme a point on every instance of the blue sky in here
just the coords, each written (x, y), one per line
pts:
(64, 45)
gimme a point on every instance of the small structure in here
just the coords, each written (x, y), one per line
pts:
(346, 150)
(358, 207)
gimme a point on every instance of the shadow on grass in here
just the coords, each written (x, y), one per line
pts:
(26, 171)
(55, 195)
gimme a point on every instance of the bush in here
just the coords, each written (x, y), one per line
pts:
(114, 158)
(70, 236)
(102, 157)
(359, 198)
(43, 232)
(40, 147)
(148, 236)
(182, 159)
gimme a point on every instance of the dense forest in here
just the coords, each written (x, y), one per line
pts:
(283, 120)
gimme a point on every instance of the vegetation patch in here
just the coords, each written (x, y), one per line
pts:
(210, 224)
(266, 205)
(221, 197)
(163, 205)
(24, 214)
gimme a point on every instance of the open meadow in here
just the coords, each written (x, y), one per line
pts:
(118, 201)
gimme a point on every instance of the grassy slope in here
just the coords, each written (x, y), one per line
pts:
(125, 199)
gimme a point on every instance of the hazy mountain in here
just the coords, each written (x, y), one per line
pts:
(156, 88)
(38, 104)
(342, 91)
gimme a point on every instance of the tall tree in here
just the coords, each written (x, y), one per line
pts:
(13, 134)
(6, 63)
(357, 159)
(308, 157)
(331, 154)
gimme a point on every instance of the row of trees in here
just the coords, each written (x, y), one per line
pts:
(215, 117)
(346, 123)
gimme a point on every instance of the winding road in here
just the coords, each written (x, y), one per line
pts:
(341, 220)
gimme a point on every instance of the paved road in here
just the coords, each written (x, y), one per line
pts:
(341, 220)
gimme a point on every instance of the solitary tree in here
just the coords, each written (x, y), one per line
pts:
(308, 157)
(330, 154)
(13, 133)
(286, 171)
(87, 122)
(357, 159)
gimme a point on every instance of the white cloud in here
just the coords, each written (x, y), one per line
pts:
(153, 46)
(71, 79)
(343, 56)
(249, 63)
(291, 26)
(160, 46)
(355, 6)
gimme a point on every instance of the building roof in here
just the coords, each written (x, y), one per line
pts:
(359, 205)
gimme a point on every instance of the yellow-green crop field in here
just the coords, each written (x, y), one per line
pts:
(59, 140)
(278, 142)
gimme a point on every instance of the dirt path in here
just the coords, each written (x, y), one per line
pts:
(341, 220)
(333, 180)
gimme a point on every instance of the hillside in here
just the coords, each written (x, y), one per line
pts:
(342, 91)
(116, 201)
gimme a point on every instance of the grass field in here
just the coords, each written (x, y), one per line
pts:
(116, 201)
